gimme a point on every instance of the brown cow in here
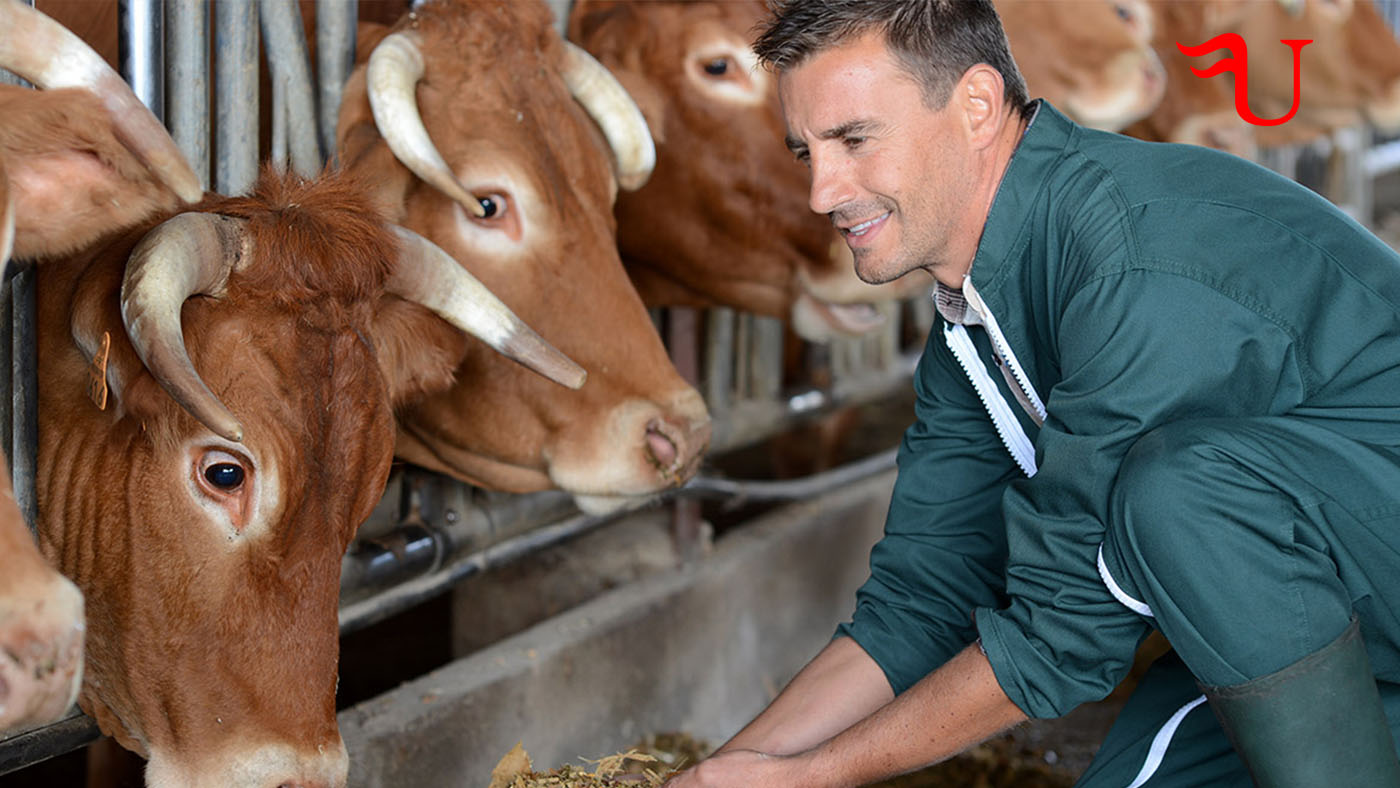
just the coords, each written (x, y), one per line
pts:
(1350, 73)
(77, 160)
(204, 513)
(1196, 111)
(1092, 59)
(724, 218)
(465, 118)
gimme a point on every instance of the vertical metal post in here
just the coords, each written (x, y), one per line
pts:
(19, 414)
(719, 359)
(293, 96)
(235, 95)
(141, 50)
(561, 10)
(335, 58)
(688, 531)
(24, 390)
(187, 74)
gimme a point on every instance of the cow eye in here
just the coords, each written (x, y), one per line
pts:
(1123, 12)
(493, 206)
(222, 471)
(717, 67)
(224, 475)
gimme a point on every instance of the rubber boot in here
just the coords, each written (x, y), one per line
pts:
(1317, 722)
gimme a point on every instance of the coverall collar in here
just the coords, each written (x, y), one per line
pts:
(1003, 234)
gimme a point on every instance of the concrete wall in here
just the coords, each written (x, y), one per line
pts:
(699, 650)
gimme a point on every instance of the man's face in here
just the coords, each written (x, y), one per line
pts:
(894, 175)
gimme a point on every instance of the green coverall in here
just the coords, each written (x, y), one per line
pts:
(1189, 419)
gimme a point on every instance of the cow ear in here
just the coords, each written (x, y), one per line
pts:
(70, 178)
(116, 377)
(360, 147)
(648, 98)
(418, 351)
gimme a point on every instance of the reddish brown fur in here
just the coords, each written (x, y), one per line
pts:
(498, 111)
(1194, 110)
(73, 181)
(724, 218)
(1351, 68)
(1066, 50)
(203, 641)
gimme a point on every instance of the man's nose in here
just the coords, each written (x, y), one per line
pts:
(831, 186)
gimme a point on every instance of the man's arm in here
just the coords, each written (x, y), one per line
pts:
(839, 687)
(948, 711)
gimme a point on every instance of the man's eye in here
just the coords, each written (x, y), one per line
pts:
(854, 142)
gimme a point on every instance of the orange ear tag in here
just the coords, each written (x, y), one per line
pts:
(97, 373)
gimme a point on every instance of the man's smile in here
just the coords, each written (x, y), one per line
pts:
(864, 228)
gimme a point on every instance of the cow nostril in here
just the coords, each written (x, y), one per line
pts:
(661, 447)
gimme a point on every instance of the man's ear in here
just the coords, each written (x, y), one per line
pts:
(981, 98)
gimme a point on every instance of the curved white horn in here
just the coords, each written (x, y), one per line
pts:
(187, 254)
(47, 54)
(429, 276)
(392, 76)
(615, 112)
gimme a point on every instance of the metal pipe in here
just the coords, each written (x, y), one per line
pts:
(141, 51)
(187, 71)
(236, 95)
(335, 58)
(289, 62)
(24, 394)
(719, 359)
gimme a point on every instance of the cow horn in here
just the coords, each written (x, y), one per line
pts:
(47, 54)
(437, 281)
(615, 112)
(188, 254)
(395, 66)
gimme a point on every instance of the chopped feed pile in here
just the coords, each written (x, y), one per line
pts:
(998, 763)
(633, 769)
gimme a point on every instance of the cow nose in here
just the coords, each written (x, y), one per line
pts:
(661, 446)
(676, 441)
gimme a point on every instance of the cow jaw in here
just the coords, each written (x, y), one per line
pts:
(1129, 87)
(325, 765)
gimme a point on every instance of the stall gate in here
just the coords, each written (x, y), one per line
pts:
(430, 532)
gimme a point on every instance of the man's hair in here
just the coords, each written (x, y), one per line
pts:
(936, 41)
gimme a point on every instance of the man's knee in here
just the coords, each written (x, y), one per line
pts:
(1159, 503)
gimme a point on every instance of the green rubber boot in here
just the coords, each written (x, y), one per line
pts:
(1317, 722)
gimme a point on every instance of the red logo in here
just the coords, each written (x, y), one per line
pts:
(1238, 62)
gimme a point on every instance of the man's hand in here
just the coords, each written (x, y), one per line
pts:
(743, 769)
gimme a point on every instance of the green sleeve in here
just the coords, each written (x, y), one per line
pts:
(1137, 349)
(944, 548)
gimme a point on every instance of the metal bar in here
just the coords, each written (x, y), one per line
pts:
(335, 59)
(289, 62)
(141, 51)
(187, 75)
(40, 744)
(24, 393)
(719, 360)
(235, 95)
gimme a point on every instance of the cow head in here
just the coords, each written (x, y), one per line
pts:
(1350, 73)
(724, 219)
(77, 159)
(1091, 58)
(486, 133)
(1195, 111)
(216, 418)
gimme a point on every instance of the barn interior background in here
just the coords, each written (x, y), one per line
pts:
(474, 619)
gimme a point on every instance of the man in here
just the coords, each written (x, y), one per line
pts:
(1163, 391)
